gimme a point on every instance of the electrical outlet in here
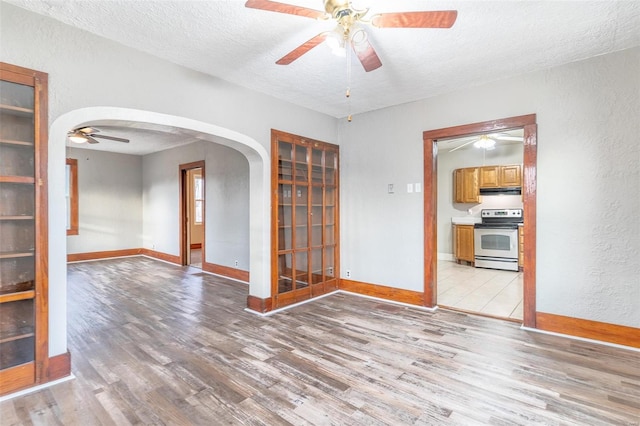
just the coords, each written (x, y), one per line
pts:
(330, 273)
(390, 188)
(236, 263)
(153, 246)
(348, 273)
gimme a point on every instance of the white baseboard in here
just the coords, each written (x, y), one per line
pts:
(446, 256)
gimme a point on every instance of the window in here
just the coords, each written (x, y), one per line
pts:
(198, 198)
(71, 194)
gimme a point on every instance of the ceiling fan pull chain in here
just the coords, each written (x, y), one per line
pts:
(348, 93)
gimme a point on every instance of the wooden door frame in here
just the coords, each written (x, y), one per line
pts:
(529, 188)
(183, 206)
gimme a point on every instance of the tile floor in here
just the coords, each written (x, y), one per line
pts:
(487, 291)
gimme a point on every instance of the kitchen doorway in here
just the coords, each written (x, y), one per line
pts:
(431, 138)
(471, 278)
(192, 214)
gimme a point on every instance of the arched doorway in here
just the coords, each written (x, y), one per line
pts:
(259, 199)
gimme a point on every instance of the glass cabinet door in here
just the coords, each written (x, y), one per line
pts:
(17, 225)
(305, 208)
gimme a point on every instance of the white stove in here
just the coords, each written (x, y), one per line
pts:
(496, 239)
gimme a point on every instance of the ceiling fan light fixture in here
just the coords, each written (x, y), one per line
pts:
(336, 43)
(77, 137)
(485, 142)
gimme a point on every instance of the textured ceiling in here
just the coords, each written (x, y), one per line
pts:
(490, 40)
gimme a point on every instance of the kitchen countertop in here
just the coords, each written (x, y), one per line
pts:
(465, 220)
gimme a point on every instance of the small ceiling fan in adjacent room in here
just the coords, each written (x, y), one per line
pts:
(351, 24)
(90, 135)
(486, 142)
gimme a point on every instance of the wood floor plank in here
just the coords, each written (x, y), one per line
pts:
(154, 343)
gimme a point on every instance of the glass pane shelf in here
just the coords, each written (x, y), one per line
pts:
(16, 110)
(16, 254)
(17, 179)
(16, 337)
(16, 218)
(26, 144)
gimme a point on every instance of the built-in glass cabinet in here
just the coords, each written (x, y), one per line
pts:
(305, 218)
(23, 228)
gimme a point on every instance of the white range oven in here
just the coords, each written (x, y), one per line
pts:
(496, 239)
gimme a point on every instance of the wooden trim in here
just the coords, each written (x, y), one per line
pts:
(602, 331)
(430, 138)
(529, 196)
(79, 257)
(383, 292)
(226, 271)
(171, 258)
(59, 366)
(74, 220)
(17, 378)
(259, 305)
(196, 246)
(42, 223)
(182, 207)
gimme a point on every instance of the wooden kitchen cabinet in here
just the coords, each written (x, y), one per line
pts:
(500, 176)
(465, 185)
(463, 243)
(24, 351)
(490, 177)
(511, 176)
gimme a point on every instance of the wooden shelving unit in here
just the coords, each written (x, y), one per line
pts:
(305, 239)
(23, 226)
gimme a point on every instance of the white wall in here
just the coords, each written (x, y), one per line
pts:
(469, 157)
(110, 75)
(226, 200)
(588, 157)
(110, 201)
(588, 235)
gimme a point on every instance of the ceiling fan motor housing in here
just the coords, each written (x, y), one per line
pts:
(336, 8)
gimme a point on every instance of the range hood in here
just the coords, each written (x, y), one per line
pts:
(510, 190)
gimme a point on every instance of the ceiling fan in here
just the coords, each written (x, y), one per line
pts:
(89, 134)
(350, 27)
(488, 141)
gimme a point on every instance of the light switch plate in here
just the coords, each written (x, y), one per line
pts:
(418, 187)
(390, 188)
(409, 188)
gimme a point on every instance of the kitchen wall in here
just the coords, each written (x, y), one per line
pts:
(503, 154)
(226, 199)
(110, 201)
(588, 235)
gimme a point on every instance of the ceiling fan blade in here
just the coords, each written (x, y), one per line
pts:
(507, 138)
(302, 49)
(111, 138)
(463, 145)
(285, 8)
(90, 139)
(435, 19)
(87, 130)
(366, 54)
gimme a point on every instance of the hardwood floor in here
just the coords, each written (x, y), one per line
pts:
(154, 343)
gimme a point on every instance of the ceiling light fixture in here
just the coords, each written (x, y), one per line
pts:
(336, 43)
(485, 142)
(77, 137)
